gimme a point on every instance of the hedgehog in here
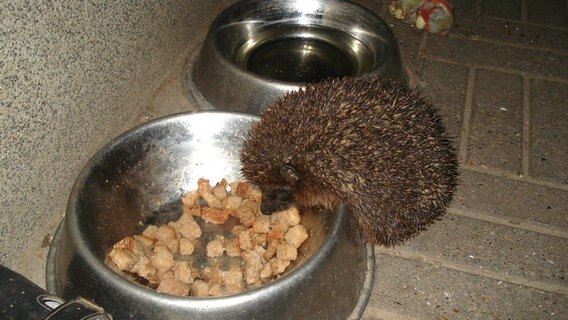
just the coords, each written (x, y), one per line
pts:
(371, 144)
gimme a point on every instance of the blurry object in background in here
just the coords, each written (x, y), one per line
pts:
(434, 16)
(405, 10)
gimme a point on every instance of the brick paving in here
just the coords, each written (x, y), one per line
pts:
(500, 80)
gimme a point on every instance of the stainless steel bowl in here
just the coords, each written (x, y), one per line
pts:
(256, 50)
(143, 173)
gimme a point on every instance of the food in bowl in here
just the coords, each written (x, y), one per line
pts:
(258, 249)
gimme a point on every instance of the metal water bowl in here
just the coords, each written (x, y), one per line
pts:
(256, 51)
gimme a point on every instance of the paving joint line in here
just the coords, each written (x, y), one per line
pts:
(468, 108)
(478, 7)
(515, 176)
(525, 145)
(526, 225)
(534, 24)
(422, 56)
(532, 76)
(511, 44)
(482, 272)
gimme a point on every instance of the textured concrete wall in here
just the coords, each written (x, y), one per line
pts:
(72, 76)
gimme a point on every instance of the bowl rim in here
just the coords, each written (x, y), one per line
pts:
(211, 39)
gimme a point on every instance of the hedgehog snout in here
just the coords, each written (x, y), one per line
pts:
(276, 199)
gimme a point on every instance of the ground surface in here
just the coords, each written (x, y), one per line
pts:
(500, 80)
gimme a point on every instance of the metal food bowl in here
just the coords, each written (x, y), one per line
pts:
(256, 51)
(143, 173)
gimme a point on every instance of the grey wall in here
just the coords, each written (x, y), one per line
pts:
(74, 74)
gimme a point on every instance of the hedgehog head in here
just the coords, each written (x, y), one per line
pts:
(283, 153)
(278, 194)
(277, 179)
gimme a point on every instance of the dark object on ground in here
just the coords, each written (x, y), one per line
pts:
(22, 299)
